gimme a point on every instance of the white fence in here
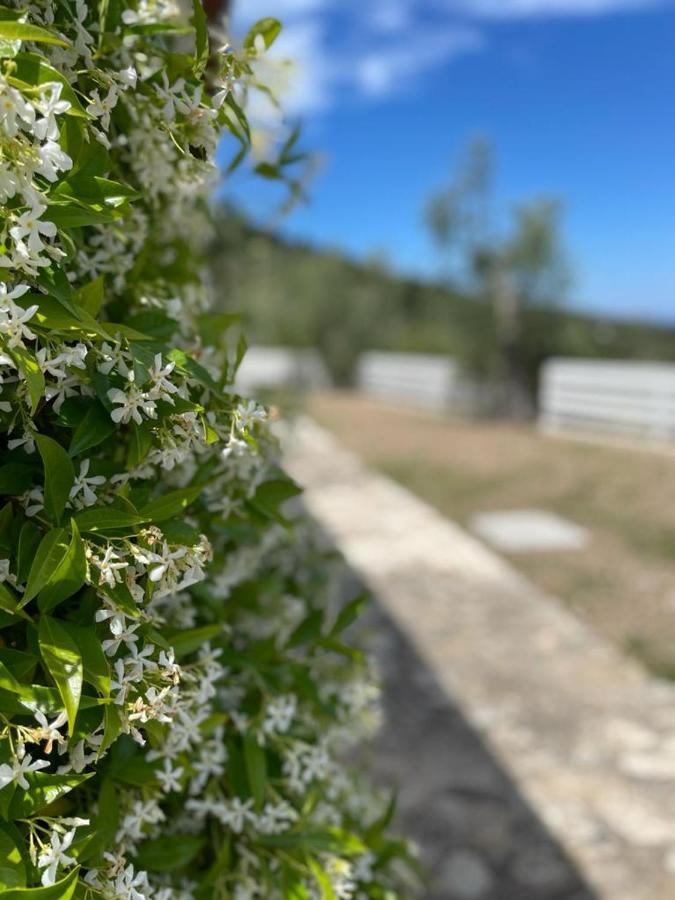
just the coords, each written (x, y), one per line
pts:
(625, 397)
(281, 367)
(422, 380)
(425, 381)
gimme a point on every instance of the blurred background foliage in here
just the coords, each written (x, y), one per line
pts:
(296, 295)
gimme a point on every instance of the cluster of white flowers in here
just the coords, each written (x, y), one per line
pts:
(177, 589)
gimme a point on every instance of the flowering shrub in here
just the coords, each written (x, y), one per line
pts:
(175, 692)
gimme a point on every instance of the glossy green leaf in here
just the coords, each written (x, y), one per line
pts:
(96, 670)
(107, 518)
(256, 769)
(59, 475)
(63, 661)
(269, 29)
(184, 642)
(23, 31)
(94, 428)
(326, 891)
(201, 31)
(69, 575)
(44, 789)
(12, 866)
(90, 296)
(172, 504)
(29, 368)
(64, 889)
(51, 553)
(169, 852)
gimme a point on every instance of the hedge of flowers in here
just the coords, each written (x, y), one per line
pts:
(175, 690)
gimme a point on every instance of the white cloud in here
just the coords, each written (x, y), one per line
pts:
(340, 50)
(508, 9)
(349, 49)
(390, 68)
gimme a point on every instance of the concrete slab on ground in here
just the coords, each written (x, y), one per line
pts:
(528, 531)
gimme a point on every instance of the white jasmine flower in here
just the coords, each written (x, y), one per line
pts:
(49, 731)
(128, 77)
(110, 566)
(101, 108)
(15, 112)
(29, 225)
(84, 485)
(169, 777)
(279, 715)
(121, 634)
(52, 161)
(248, 414)
(50, 105)
(132, 405)
(55, 856)
(20, 766)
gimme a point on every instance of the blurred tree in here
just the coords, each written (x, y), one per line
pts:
(510, 272)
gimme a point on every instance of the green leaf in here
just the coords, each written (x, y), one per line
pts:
(29, 540)
(201, 32)
(63, 660)
(268, 28)
(270, 495)
(256, 769)
(22, 31)
(15, 478)
(95, 190)
(96, 670)
(8, 682)
(8, 601)
(62, 890)
(325, 886)
(170, 505)
(184, 642)
(72, 215)
(50, 554)
(12, 866)
(29, 368)
(69, 575)
(59, 475)
(99, 519)
(308, 629)
(350, 613)
(168, 853)
(90, 296)
(139, 445)
(94, 428)
(44, 789)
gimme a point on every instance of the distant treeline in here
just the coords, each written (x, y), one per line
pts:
(296, 295)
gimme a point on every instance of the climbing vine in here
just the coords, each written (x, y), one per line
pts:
(176, 694)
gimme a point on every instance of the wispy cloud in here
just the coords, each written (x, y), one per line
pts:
(386, 69)
(341, 49)
(509, 9)
(371, 49)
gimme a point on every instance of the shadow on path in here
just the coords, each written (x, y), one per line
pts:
(478, 838)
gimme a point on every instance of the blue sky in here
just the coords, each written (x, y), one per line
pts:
(578, 97)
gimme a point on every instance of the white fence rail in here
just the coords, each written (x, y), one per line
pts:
(421, 379)
(425, 381)
(281, 367)
(625, 397)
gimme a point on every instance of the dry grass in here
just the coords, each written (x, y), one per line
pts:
(623, 583)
